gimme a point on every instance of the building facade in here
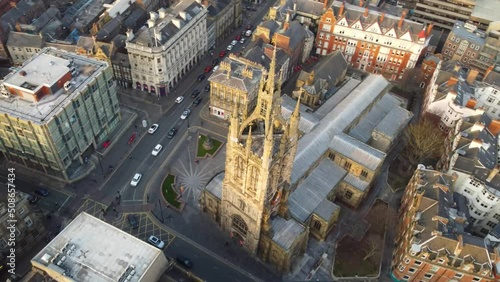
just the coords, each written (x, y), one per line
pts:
(433, 242)
(29, 227)
(22, 46)
(235, 84)
(224, 17)
(164, 51)
(51, 121)
(469, 148)
(372, 41)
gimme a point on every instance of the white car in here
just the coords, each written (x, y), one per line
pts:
(242, 40)
(157, 150)
(155, 241)
(215, 68)
(153, 128)
(229, 47)
(136, 179)
(185, 114)
(234, 42)
(179, 99)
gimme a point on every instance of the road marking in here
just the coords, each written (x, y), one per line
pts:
(132, 200)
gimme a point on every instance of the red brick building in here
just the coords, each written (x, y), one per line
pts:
(372, 41)
(433, 240)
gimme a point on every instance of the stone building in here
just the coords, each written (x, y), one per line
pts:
(29, 227)
(372, 41)
(55, 110)
(173, 42)
(315, 87)
(22, 46)
(235, 84)
(316, 158)
(433, 240)
(222, 13)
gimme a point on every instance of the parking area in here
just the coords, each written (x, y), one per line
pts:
(147, 227)
(53, 202)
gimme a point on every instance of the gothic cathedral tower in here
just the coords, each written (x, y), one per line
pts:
(259, 156)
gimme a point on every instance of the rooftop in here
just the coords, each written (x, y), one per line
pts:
(78, 253)
(486, 10)
(314, 144)
(44, 70)
(286, 231)
(215, 185)
(357, 151)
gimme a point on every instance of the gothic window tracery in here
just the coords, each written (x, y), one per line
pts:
(240, 225)
(253, 179)
(239, 167)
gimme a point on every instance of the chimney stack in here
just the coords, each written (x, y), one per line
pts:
(430, 26)
(325, 3)
(361, 3)
(366, 12)
(341, 10)
(493, 173)
(382, 17)
(401, 20)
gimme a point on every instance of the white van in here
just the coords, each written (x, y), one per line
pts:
(248, 33)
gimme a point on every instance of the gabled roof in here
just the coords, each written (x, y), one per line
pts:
(389, 25)
(286, 232)
(21, 39)
(357, 151)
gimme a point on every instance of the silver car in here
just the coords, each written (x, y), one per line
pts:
(136, 179)
(155, 241)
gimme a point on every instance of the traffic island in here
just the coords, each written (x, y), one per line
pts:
(207, 146)
(170, 195)
(362, 258)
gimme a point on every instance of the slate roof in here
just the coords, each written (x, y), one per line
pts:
(295, 32)
(337, 97)
(110, 29)
(45, 18)
(392, 124)
(214, 186)
(136, 19)
(357, 151)
(331, 66)
(314, 189)
(353, 13)
(20, 13)
(356, 182)
(255, 53)
(236, 80)
(286, 231)
(146, 36)
(314, 144)
(307, 120)
(461, 32)
(21, 39)
(326, 209)
(363, 130)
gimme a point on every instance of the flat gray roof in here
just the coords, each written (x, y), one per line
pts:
(97, 251)
(357, 151)
(46, 69)
(286, 231)
(486, 9)
(215, 185)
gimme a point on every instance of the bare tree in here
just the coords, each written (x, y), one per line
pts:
(371, 250)
(424, 141)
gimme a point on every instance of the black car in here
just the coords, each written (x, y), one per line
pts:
(42, 192)
(133, 221)
(207, 88)
(215, 62)
(171, 133)
(196, 102)
(195, 93)
(184, 262)
(32, 199)
(201, 77)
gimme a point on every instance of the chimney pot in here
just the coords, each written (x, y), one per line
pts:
(382, 17)
(361, 3)
(401, 20)
(366, 12)
(341, 11)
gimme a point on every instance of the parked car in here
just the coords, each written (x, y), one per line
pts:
(238, 38)
(32, 199)
(222, 54)
(243, 32)
(208, 68)
(153, 128)
(216, 68)
(249, 26)
(242, 40)
(229, 47)
(248, 33)
(184, 262)
(156, 150)
(215, 62)
(136, 179)
(196, 102)
(201, 77)
(195, 93)
(133, 221)
(207, 88)
(44, 192)
(155, 241)
(171, 133)
(185, 114)
(179, 99)
(234, 42)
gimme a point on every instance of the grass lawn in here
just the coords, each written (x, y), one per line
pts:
(201, 153)
(168, 192)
